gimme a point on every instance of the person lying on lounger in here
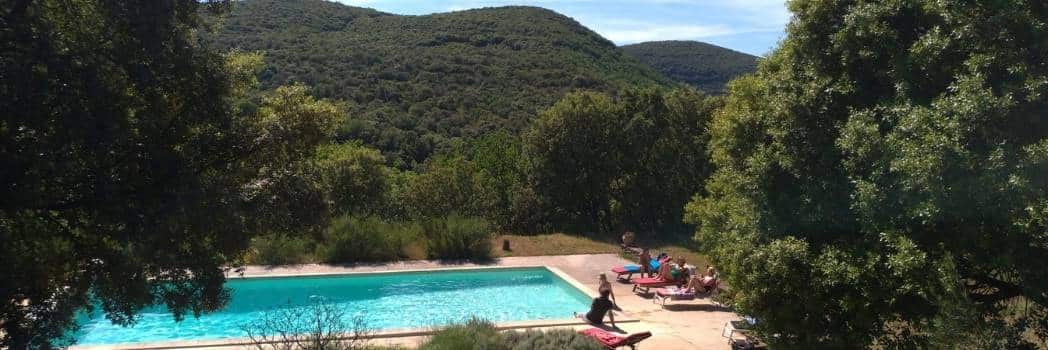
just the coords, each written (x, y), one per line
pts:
(694, 284)
(601, 306)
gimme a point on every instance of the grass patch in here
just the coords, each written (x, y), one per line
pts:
(352, 239)
(551, 244)
(565, 244)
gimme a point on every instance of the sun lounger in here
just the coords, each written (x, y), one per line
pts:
(613, 341)
(662, 295)
(645, 284)
(629, 270)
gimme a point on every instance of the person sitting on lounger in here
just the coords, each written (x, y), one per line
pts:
(710, 279)
(665, 272)
(683, 272)
(601, 306)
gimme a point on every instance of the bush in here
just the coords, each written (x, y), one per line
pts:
(455, 237)
(557, 339)
(279, 250)
(352, 239)
(475, 334)
(317, 326)
(478, 334)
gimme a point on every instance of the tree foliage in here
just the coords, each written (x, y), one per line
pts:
(631, 161)
(132, 168)
(355, 177)
(881, 179)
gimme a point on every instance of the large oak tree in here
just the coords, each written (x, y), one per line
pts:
(883, 177)
(132, 168)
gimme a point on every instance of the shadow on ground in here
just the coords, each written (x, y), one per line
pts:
(696, 307)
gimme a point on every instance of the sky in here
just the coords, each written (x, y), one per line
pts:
(750, 26)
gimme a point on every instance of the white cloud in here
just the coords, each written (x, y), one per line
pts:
(659, 32)
(357, 2)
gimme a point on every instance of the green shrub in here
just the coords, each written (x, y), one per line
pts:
(352, 239)
(557, 339)
(279, 250)
(456, 237)
(475, 334)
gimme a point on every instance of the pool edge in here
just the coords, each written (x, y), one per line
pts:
(391, 334)
(386, 272)
(394, 333)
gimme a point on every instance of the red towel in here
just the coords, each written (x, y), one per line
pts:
(604, 337)
(612, 340)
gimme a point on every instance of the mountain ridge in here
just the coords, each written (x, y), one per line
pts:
(415, 83)
(705, 66)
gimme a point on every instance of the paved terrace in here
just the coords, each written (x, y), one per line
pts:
(681, 325)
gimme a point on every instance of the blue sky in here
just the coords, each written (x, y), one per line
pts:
(751, 26)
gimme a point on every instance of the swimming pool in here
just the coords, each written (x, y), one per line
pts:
(395, 300)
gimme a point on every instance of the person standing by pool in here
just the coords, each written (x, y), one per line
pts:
(606, 286)
(601, 306)
(645, 263)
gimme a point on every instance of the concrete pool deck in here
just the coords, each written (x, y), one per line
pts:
(681, 325)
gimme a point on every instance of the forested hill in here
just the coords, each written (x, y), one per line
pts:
(414, 82)
(707, 67)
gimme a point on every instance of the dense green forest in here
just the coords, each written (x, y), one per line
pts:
(880, 180)
(704, 66)
(415, 82)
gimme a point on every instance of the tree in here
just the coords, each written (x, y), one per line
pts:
(573, 154)
(666, 151)
(447, 184)
(628, 161)
(497, 157)
(355, 177)
(883, 177)
(131, 168)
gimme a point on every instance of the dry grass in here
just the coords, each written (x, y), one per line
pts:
(551, 244)
(564, 244)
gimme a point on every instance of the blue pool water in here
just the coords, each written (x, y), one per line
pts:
(385, 301)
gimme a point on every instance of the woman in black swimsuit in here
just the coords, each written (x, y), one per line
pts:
(601, 306)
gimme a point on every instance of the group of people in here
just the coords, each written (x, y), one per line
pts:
(673, 270)
(678, 270)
